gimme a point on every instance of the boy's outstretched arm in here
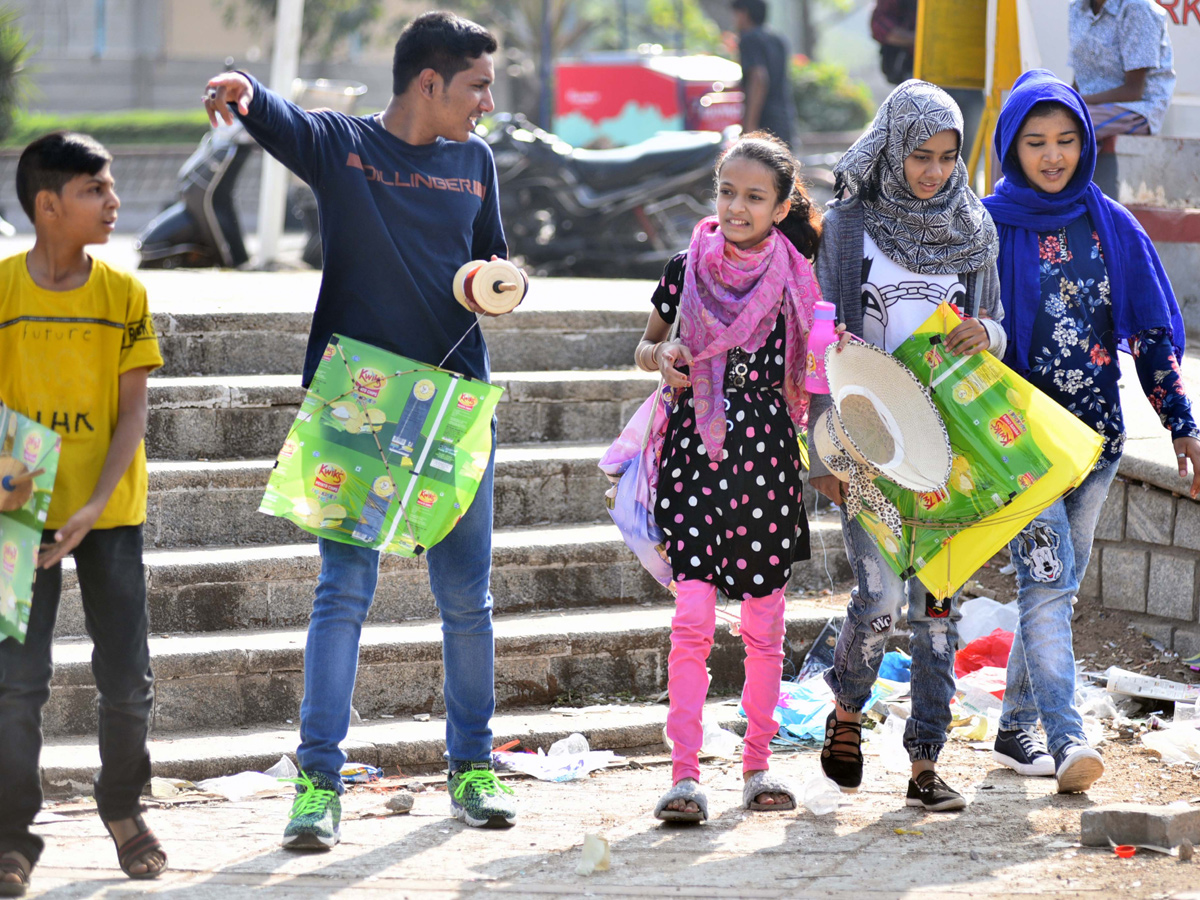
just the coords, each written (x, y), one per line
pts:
(283, 129)
(128, 434)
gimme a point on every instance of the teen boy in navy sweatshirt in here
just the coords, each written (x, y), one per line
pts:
(405, 197)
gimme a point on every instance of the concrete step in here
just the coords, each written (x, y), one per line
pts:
(533, 570)
(195, 504)
(226, 679)
(248, 416)
(230, 342)
(68, 762)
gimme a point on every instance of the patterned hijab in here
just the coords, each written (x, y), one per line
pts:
(948, 234)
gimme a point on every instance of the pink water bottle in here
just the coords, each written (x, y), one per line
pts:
(824, 333)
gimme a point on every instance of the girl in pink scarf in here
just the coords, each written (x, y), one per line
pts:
(729, 499)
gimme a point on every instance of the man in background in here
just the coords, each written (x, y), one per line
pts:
(894, 27)
(764, 58)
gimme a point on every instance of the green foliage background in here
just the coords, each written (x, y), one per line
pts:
(133, 126)
(827, 99)
(14, 54)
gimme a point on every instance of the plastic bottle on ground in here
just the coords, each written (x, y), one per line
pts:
(572, 745)
(821, 795)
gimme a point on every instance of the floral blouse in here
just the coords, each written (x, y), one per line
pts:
(1072, 354)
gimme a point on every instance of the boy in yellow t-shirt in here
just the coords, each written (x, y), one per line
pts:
(76, 346)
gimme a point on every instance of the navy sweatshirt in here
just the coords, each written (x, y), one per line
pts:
(397, 221)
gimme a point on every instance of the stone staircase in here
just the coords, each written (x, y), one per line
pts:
(230, 589)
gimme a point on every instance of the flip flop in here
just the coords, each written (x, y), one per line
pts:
(686, 789)
(767, 783)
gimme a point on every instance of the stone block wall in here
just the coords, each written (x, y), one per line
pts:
(1145, 561)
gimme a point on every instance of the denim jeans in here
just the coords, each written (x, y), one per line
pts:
(111, 580)
(1051, 556)
(870, 618)
(460, 568)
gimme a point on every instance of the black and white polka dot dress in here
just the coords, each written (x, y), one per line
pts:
(739, 523)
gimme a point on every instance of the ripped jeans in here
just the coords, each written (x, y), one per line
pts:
(1051, 556)
(870, 618)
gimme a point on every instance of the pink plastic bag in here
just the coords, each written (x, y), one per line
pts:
(632, 463)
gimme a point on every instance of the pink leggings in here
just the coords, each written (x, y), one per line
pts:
(691, 640)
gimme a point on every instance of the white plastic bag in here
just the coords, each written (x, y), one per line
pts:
(285, 768)
(243, 785)
(560, 767)
(891, 744)
(983, 615)
(717, 741)
(821, 795)
(248, 784)
(1178, 744)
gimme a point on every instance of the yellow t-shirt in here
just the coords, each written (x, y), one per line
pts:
(61, 354)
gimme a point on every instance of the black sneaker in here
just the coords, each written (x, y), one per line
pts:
(1024, 752)
(928, 790)
(1079, 767)
(841, 757)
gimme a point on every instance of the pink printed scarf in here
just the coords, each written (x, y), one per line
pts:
(732, 298)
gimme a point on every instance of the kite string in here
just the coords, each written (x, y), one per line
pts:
(473, 326)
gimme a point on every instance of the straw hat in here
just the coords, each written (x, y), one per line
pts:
(883, 419)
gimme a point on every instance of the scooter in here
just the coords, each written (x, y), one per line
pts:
(621, 212)
(202, 228)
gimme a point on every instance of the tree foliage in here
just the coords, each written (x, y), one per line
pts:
(828, 99)
(14, 54)
(326, 22)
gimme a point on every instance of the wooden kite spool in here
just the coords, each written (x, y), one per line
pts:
(496, 287)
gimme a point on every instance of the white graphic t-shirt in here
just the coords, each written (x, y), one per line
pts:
(896, 301)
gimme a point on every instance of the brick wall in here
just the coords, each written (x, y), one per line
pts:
(1145, 561)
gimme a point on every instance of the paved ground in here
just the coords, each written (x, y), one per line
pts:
(1016, 838)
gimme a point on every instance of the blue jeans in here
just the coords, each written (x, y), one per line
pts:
(108, 563)
(870, 618)
(1051, 555)
(459, 572)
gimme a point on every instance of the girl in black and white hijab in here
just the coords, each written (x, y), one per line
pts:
(906, 235)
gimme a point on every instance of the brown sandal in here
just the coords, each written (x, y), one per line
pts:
(12, 866)
(137, 849)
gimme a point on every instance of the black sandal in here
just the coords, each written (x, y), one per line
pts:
(11, 866)
(841, 757)
(137, 849)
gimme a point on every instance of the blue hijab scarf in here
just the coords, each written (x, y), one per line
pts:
(1140, 291)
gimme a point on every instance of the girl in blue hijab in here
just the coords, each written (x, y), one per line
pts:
(1079, 278)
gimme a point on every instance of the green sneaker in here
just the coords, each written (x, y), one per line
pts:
(479, 799)
(316, 815)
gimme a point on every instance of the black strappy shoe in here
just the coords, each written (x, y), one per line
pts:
(841, 757)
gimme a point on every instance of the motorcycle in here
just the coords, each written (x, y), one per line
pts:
(202, 228)
(599, 212)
